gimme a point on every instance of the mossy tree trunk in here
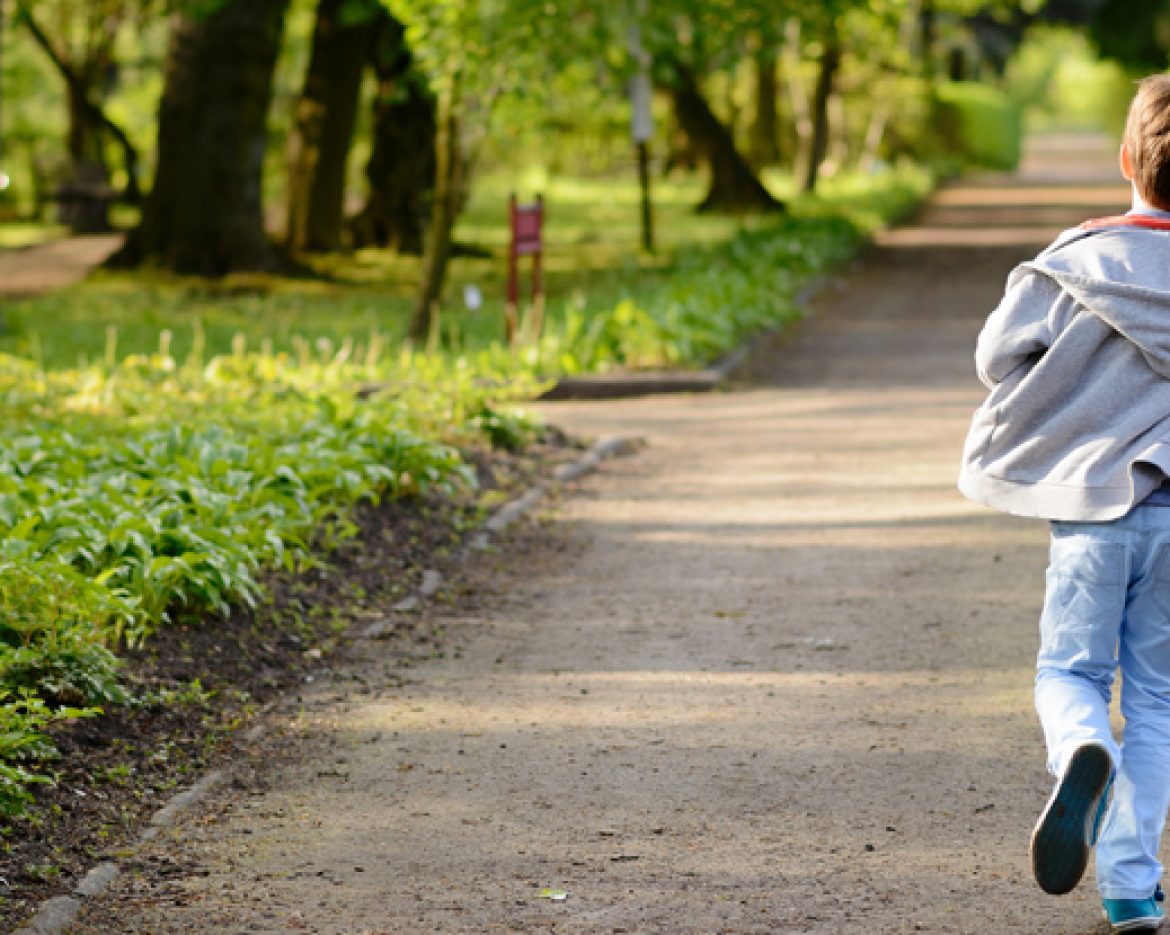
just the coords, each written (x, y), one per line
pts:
(401, 169)
(204, 214)
(84, 73)
(324, 122)
(765, 128)
(444, 209)
(733, 185)
(819, 144)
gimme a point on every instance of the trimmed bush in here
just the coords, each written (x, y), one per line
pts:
(977, 123)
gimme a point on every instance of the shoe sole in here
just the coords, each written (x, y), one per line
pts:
(1136, 925)
(1060, 849)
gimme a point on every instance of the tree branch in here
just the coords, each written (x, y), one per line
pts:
(59, 59)
(68, 71)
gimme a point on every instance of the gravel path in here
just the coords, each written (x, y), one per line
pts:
(770, 675)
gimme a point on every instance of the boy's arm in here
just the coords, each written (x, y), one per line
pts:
(1020, 327)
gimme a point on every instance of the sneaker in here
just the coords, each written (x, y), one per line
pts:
(1135, 915)
(1067, 828)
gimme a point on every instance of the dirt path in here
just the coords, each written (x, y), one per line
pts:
(775, 679)
(41, 268)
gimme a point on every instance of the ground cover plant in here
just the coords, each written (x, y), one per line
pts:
(156, 492)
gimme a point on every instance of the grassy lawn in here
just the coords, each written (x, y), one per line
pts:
(17, 234)
(593, 261)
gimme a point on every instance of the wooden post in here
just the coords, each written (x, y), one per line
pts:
(513, 292)
(537, 323)
(526, 223)
(647, 207)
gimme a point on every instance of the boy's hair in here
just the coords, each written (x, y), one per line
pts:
(1147, 136)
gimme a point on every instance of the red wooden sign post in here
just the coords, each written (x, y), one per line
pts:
(526, 223)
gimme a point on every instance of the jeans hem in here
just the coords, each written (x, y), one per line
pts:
(1108, 892)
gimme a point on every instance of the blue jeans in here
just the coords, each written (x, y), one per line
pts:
(1107, 606)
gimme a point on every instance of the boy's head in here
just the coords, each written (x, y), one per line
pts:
(1145, 148)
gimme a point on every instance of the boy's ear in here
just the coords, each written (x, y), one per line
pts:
(1126, 163)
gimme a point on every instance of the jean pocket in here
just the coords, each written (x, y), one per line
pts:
(1084, 602)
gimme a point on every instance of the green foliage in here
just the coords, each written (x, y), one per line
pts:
(23, 717)
(710, 302)
(978, 123)
(152, 491)
(711, 297)
(508, 430)
(1134, 33)
(1057, 81)
(52, 620)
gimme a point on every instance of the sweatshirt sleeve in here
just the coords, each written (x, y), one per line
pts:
(1020, 328)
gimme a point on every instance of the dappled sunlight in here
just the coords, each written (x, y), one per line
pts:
(898, 531)
(742, 521)
(696, 708)
(1106, 197)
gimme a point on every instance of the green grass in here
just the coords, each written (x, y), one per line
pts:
(17, 234)
(592, 261)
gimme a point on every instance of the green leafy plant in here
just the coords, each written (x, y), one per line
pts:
(23, 745)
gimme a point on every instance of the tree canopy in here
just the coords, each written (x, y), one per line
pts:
(398, 101)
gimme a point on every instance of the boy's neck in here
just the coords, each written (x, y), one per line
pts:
(1141, 206)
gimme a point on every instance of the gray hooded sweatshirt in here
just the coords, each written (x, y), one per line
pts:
(1077, 358)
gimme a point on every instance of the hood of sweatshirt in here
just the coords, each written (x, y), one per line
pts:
(1122, 276)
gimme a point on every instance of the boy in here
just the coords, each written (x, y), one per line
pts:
(1076, 430)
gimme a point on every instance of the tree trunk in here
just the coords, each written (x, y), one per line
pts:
(819, 145)
(680, 149)
(928, 36)
(798, 98)
(957, 64)
(444, 210)
(85, 130)
(324, 123)
(765, 130)
(84, 196)
(401, 170)
(204, 214)
(838, 149)
(733, 187)
(83, 139)
(874, 134)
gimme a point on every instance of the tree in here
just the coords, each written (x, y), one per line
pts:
(765, 128)
(687, 39)
(733, 185)
(827, 67)
(86, 65)
(203, 215)
(1135, 33)
(473, 51)
(401, 168)
(324, 121)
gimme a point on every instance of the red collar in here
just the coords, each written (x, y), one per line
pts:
(1127, 220)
